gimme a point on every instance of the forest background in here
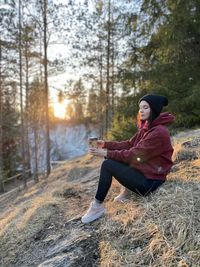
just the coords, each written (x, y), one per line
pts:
(89, 62)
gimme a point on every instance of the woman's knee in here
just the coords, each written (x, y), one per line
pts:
(106, 163)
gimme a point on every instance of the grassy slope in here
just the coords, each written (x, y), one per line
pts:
(160, 230)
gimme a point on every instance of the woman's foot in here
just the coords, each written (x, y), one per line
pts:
(95, 211)
(124, 195)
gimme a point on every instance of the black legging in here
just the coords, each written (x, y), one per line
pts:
(125, 175)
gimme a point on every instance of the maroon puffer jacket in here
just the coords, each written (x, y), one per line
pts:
(148, 151)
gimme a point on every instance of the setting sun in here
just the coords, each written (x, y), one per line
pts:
(60, 109)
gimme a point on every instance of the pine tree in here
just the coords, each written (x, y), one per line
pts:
(9, 132)
(1, 127)
(92, 105)
(172, 54)
(77, 94)
(36, 111)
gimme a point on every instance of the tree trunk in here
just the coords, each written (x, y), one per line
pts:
(48, 168)
(108, 69)
(21, 101)
(35, 174)
(1, 130)
(113, 78)
(101, 94)
(41, 77)
(26, 114)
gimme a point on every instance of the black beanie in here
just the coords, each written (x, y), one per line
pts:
(156, 103)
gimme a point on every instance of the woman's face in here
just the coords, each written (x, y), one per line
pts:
(144, 110)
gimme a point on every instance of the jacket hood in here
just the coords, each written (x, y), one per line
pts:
(163, 119)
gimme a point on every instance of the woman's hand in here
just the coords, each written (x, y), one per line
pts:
(100, 143)
(98, 152)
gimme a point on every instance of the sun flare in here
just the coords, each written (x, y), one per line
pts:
(60, 109)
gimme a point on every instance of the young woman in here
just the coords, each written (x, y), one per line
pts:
(140, 164)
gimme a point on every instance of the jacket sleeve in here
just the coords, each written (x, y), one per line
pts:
(114, 145)
(146, 149)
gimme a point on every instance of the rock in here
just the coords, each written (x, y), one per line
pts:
(52, 238)
(68, 243)
(77, 173)
(174, 168)
(184, 154)
(64, 260)
(192, 143)
(76, 219)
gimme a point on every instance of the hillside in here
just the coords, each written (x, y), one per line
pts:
(42, 227)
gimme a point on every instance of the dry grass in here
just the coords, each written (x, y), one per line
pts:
(181, 151)
(160, 230)
(196, 163)
(107, 249)
(25, 223)
(29, 212)
(33, 190)
(7, 218)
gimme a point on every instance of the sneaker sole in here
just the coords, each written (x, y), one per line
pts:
(121, 199)
(94, 217)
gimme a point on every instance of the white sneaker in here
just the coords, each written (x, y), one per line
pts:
(95, 211)
(123, 196)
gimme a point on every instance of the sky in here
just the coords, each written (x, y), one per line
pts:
(58, 48)
(63, 51)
